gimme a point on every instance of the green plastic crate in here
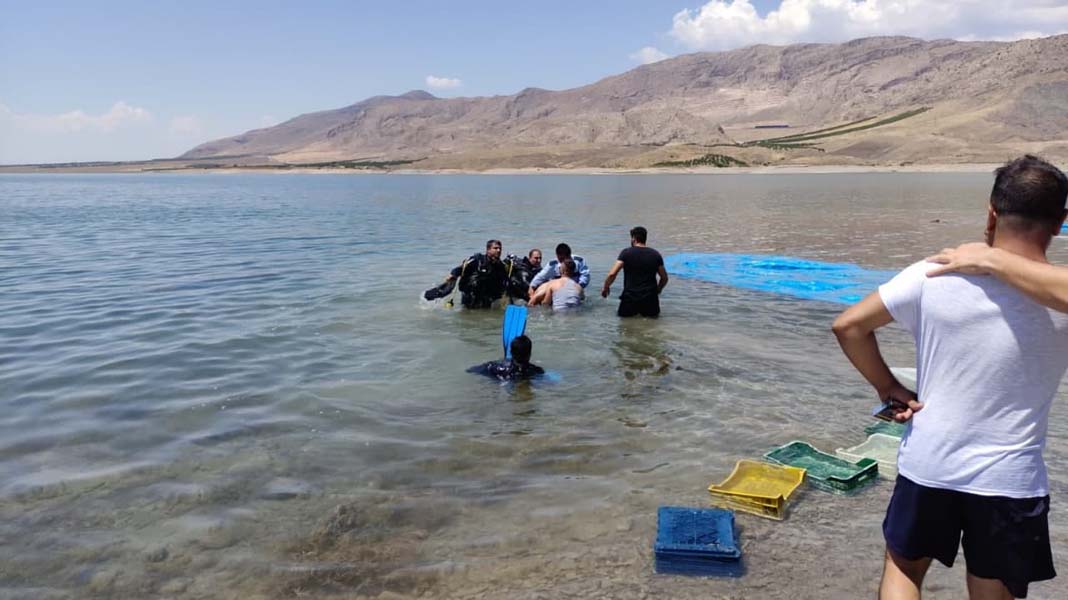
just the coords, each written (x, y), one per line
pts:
(824, 471)
(886, 427)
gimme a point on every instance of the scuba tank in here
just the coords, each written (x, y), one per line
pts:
(519, 276)
(482, 282)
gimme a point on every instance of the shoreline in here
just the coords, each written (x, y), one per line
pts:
(755, 170)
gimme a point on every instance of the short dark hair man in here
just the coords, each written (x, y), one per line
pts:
(641, 266)
(519, 367)
(989, 359)
(534, 259)
(522, 272)
(482, 278)
(552, 270)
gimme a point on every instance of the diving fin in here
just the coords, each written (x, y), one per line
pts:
(440, 291)
(515, 323)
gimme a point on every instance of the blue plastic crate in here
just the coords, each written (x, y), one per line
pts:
(696, 532)
(697, 541)
(701, 568)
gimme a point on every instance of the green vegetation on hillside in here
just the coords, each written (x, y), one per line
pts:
(841, 129)
(785, 146)
(797, 141)
(791, 138)
(335, 164)
(358, 164)
(714, 160)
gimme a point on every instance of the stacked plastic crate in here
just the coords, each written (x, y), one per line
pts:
(697, 541)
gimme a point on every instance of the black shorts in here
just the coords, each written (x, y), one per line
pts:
(1003, 538)
(649, 307)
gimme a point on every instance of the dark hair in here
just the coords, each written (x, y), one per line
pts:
(492, 242)
(563, 250)
(1030, 189)
(639, 234)
(521, 348)
(570, 265)
(532, 251)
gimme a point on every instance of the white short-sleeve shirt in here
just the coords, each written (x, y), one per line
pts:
(988, 362)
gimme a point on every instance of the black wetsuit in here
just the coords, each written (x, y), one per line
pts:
(507, 370)
(481, 281)
(522, 272)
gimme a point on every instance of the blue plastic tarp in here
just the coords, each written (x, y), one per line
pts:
(842, 283)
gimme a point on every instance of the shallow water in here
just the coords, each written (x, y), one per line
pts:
(228, 386)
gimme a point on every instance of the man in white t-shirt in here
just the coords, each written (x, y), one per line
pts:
(989, 359)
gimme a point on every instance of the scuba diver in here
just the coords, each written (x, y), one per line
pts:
(520, 273)
(516, 368)
(482, 279)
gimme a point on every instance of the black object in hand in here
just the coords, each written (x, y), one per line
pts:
(440, 291)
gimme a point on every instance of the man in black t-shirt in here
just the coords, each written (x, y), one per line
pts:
(642, 266)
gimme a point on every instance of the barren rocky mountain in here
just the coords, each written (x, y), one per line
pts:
(886, 100)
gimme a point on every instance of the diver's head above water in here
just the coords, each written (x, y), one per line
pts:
(493, 249)
(534, 258)
(521, 349)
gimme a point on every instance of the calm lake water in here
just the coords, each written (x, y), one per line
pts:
(229, 386)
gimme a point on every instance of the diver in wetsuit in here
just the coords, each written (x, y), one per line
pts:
(520, 273)
(482, 279)
(519, 367)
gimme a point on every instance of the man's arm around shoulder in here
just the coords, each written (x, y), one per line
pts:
(1044, 283)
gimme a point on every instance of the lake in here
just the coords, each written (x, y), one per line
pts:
(229, 386)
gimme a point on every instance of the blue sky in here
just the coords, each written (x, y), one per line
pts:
(131, 80)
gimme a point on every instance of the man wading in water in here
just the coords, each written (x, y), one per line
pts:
(641, 266)
(989, 360)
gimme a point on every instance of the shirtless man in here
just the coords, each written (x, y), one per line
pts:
(562, 292)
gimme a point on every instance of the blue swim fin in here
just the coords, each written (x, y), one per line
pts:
(515, 323)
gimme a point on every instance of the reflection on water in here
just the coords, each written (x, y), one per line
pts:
(228, 386)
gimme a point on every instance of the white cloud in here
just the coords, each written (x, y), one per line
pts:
(648, 55)
(123, 132)
(187, 126)
(726, 24)
(442, 83)
(120, 115)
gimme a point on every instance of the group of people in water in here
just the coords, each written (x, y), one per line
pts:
(991, 346)
(485, 278)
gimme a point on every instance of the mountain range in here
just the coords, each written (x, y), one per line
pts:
(872, 101)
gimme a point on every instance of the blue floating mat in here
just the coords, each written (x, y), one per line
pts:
(842, 283)
(697, 541)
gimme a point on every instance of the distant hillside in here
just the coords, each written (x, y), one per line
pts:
(886, 100)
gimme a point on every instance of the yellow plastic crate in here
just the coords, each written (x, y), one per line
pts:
(758, 488)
